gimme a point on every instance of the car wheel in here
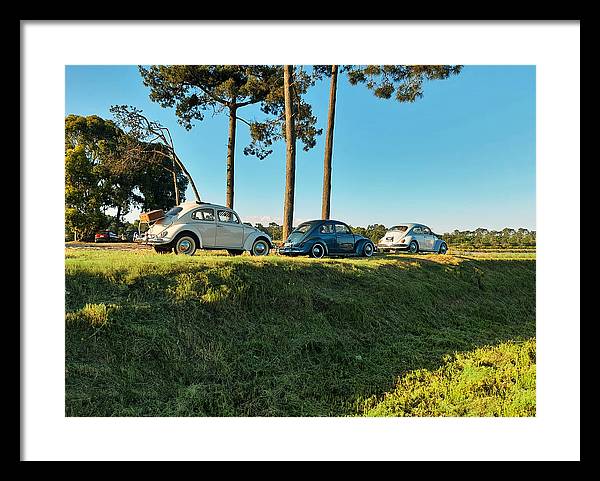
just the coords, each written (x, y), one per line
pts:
(443, 248)
(413, 247)
(185, 245)
(234, 252)
(368, 249)
(317, 251)
(260, 248)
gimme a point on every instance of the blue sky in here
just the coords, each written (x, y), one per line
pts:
(461, 157)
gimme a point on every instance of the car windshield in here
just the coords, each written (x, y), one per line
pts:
(298, 232)
(398, 228)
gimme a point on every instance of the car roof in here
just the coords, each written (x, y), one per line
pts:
(410, 225)
(192, 205)
(319, 221)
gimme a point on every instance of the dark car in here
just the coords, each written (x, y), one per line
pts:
(318, 238)
(106, 236)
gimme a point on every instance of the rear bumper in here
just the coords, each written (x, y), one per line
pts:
(392, 247)
(154, 241)
(293, 251)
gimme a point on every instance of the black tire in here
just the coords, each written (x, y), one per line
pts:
(235, 252)
(260, 247)
(185, 244)
(368, 249)
(317, 251)
(443, 248)
(413, 247)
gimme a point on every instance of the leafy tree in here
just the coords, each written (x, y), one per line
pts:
(89, 187)
(194, 89)
(83, 197)
(405, 82)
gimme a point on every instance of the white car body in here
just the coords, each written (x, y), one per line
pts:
(411, 237)
(210, 226)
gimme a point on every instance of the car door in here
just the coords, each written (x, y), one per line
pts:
(327, 235)
(203, 222)
(344, 238)
(230, 231)
(428, 239)
(417, 234)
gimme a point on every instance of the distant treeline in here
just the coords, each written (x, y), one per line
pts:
(491, 238)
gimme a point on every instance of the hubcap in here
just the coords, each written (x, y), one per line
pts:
(413, 248)
(185, 246)
(317, 251)
(368, 249)
(260, 248)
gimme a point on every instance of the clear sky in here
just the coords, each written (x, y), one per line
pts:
(461, 157)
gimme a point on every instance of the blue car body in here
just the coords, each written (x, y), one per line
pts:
(319, 238)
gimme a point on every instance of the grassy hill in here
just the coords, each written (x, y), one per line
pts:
(212, 335)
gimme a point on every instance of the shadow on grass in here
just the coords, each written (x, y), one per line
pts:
(278, 338)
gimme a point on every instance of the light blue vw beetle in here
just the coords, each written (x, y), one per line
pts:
(413, 238)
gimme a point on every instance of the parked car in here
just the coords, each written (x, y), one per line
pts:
(413, 238)
(319, 238)
(199, 225)
(106, 236)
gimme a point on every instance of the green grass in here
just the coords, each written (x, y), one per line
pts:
(490, 381)
(212, 335)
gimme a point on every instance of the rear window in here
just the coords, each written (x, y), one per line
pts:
(174, 211)
(302, 228)
(398, 228)
(299, 232)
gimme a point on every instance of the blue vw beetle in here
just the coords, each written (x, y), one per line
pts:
(318, 238)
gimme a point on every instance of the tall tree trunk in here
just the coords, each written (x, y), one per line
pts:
(290, 154)
(326, 204)
(175, 183)
(231, 155)
(118, 217)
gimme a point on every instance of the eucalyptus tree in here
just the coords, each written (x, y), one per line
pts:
(195, 89)
(404, 82)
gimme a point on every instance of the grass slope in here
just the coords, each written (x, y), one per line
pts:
(490, 381)
(152, 335)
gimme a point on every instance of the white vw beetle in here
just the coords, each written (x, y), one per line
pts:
(199, 225)
(413, 238)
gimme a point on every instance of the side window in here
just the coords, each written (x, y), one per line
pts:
(228, 216)
(342, 229)
(417, 230)
(204, 214)
(326, 229)
(426, 231)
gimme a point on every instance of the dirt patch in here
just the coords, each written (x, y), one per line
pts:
(120, 246)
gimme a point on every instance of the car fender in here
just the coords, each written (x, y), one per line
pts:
(438, 243)
(253, 236)
(360, 243)
(176, 229)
